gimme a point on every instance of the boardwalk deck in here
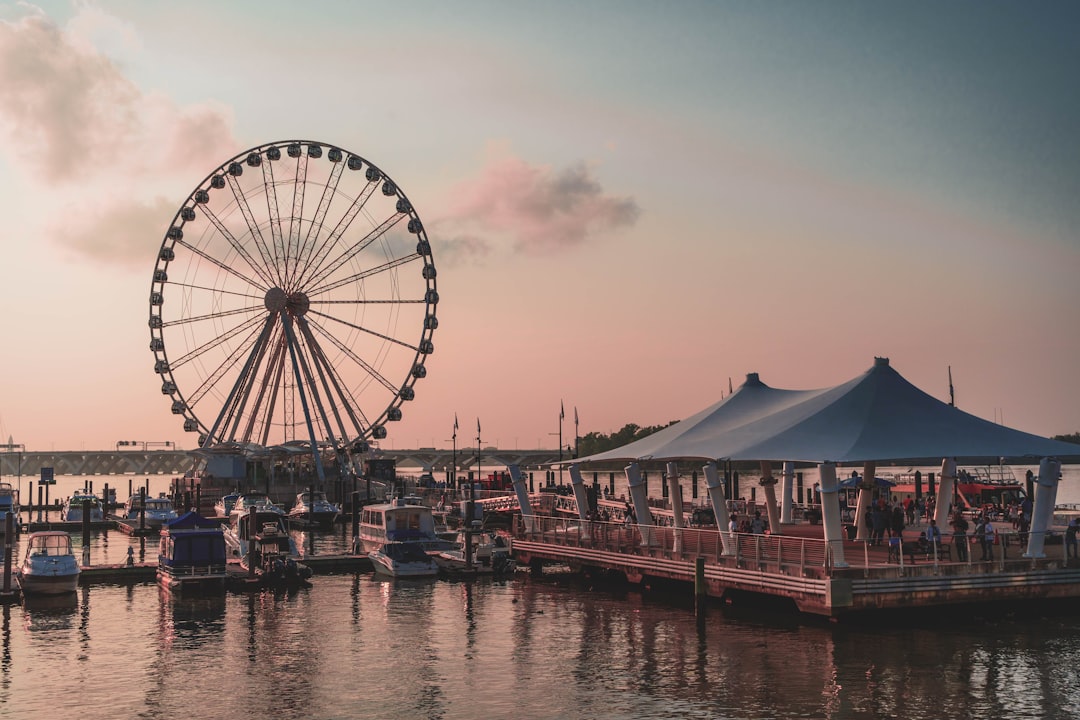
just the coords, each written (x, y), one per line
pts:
(798, 566)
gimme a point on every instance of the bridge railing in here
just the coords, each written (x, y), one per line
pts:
(774, 552)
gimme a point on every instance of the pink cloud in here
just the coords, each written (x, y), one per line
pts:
(539, 209)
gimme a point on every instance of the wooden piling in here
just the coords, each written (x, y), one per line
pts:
(700, 589)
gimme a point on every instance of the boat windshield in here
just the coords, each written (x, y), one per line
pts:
(50, 545)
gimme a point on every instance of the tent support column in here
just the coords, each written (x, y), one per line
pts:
(866, 500)
(719, 506)
(528, 518)
(1046, 486)
(830, 513)
(579, 492)
(787, 482)
(641, 502)
(768, 483)
(675, 492)
(946, 489)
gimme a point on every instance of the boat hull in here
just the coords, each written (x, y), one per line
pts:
(60, 584)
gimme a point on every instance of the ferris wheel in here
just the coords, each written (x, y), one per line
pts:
(293, 300)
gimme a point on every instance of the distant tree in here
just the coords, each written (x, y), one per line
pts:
(1073, 438)
(598, 442)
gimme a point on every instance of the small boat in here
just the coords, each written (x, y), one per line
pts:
(9, 505)
(223, 507)
(259, 501)
(314, 511)
(404, 520)
(490, 555)
(72, 510)
(158, 511)
(49, 567)
(272, 554)
(191, 554)
(403, 559)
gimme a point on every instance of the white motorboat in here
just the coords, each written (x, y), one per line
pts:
(49, 567)
(158, 511)
(314, 510)
(404, 520)
(261, 503)
(72, 509)
(403, 559)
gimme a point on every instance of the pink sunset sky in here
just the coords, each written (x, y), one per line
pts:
(628, 203)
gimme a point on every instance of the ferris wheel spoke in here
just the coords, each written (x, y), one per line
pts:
(318, 258)
(329, 267)
(349, 353)
(216, 292)
(237, 246)
(329, 190)
(209, 316)
(248, 325)
(378, 269)
(274, 213)
(253, 226)
(214, 261)
(292, 248)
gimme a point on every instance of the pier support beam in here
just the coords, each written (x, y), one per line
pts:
(675, 492)
(787, 482)
(640, 497)
(719, 505)
(528, 520)
(830, 513)
(1045, 498)
(946, 490)
(582, 499)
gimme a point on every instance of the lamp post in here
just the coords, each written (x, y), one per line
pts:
(453, 469)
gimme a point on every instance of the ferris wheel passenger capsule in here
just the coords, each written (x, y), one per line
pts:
(202, 197)
(404, 206)
(167, 254)
(236, 169)
(293, 150)
(423, 248)
(431, 297)
(254, 159)
(178, 407)
(157, 344)
(273, 154)
(378, 432)
(333, 154)
(188, 214)
(429, 272)
(388, 189)
(314, 151)
(168, 387)
(175, 233)
(373, 174)
(393, 414)
(355, 163)
(161, 366)
(415, 226)
(191, 425)
(419, 371)
(218, 181)
(407, 393)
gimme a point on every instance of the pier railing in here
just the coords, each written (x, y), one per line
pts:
(790, 553)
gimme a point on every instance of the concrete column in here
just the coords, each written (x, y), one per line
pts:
(715, 485)
(787, 482)
(946, 488)
(641, 502)
(768, 483)
(830, 513)
(528, 518)
(579, 492)
(1045, 498)
(674, 492)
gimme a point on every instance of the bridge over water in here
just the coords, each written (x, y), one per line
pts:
(177, 462)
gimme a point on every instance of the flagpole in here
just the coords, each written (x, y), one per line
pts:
(562, 413)
(478, 465)
(577, 435)
(453, 470)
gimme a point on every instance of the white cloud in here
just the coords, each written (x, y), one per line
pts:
(81, 132)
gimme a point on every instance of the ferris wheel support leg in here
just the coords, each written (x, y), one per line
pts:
(291, 336)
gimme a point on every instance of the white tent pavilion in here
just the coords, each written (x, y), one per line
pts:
(876, 417)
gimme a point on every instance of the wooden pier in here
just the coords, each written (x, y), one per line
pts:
(796, 566)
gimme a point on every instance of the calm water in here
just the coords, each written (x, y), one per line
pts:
(354, 646)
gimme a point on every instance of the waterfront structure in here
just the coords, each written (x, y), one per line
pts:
(873, 418)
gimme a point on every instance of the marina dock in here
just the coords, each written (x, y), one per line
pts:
(795, 567)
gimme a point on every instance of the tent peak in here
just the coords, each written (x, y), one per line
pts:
(881, 362)
(753, 379)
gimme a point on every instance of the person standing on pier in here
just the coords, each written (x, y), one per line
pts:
(960, 528)
(985, 532)
(933, 536)
(1070, 538)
